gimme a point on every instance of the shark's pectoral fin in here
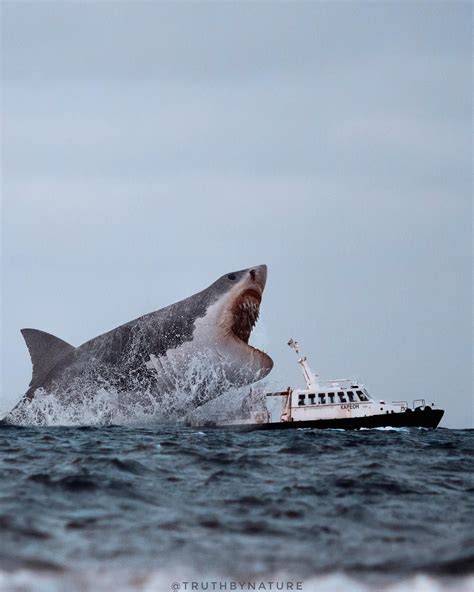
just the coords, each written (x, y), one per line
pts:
(45, 350)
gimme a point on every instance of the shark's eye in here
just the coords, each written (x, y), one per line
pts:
(232, 276)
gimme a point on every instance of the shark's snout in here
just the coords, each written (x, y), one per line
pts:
(259, 276)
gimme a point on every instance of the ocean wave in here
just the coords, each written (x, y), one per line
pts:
(138, 508)
(44, 580)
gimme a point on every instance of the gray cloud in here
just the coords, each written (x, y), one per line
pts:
(149, 148)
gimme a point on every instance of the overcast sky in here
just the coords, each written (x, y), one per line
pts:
(148, 148)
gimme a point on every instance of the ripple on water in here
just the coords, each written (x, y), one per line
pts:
(384, 504)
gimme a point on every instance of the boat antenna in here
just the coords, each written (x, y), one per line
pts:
(310, 377)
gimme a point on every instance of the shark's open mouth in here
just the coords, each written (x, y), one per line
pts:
(246, 310)
(237, 318)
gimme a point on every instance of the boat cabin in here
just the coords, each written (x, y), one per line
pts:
(333, 396)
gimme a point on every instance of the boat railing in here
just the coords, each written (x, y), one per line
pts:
(342, 383)
(421, 401)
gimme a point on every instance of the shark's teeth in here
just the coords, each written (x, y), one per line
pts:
(245, 317)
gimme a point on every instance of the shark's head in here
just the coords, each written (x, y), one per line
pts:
(227, 325)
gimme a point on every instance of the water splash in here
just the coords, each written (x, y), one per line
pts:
(234, 406)
(95, 398)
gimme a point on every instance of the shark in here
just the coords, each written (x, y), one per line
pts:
(154, 351)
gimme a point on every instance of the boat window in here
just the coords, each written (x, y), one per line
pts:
(311, 398)
(350, 394)
(301, 399)
(322, 398)
(331, 397)
(341, 396)
(362, 397)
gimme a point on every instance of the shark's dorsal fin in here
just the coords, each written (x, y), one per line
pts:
(45, 350)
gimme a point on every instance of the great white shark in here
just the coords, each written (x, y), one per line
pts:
(155, 350)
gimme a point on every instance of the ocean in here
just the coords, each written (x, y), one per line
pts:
(168, 507)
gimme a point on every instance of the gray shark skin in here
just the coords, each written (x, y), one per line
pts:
(213, 325)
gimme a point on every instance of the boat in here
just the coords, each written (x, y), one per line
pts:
(338, 404)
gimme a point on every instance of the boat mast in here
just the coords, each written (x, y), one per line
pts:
(310, 377)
